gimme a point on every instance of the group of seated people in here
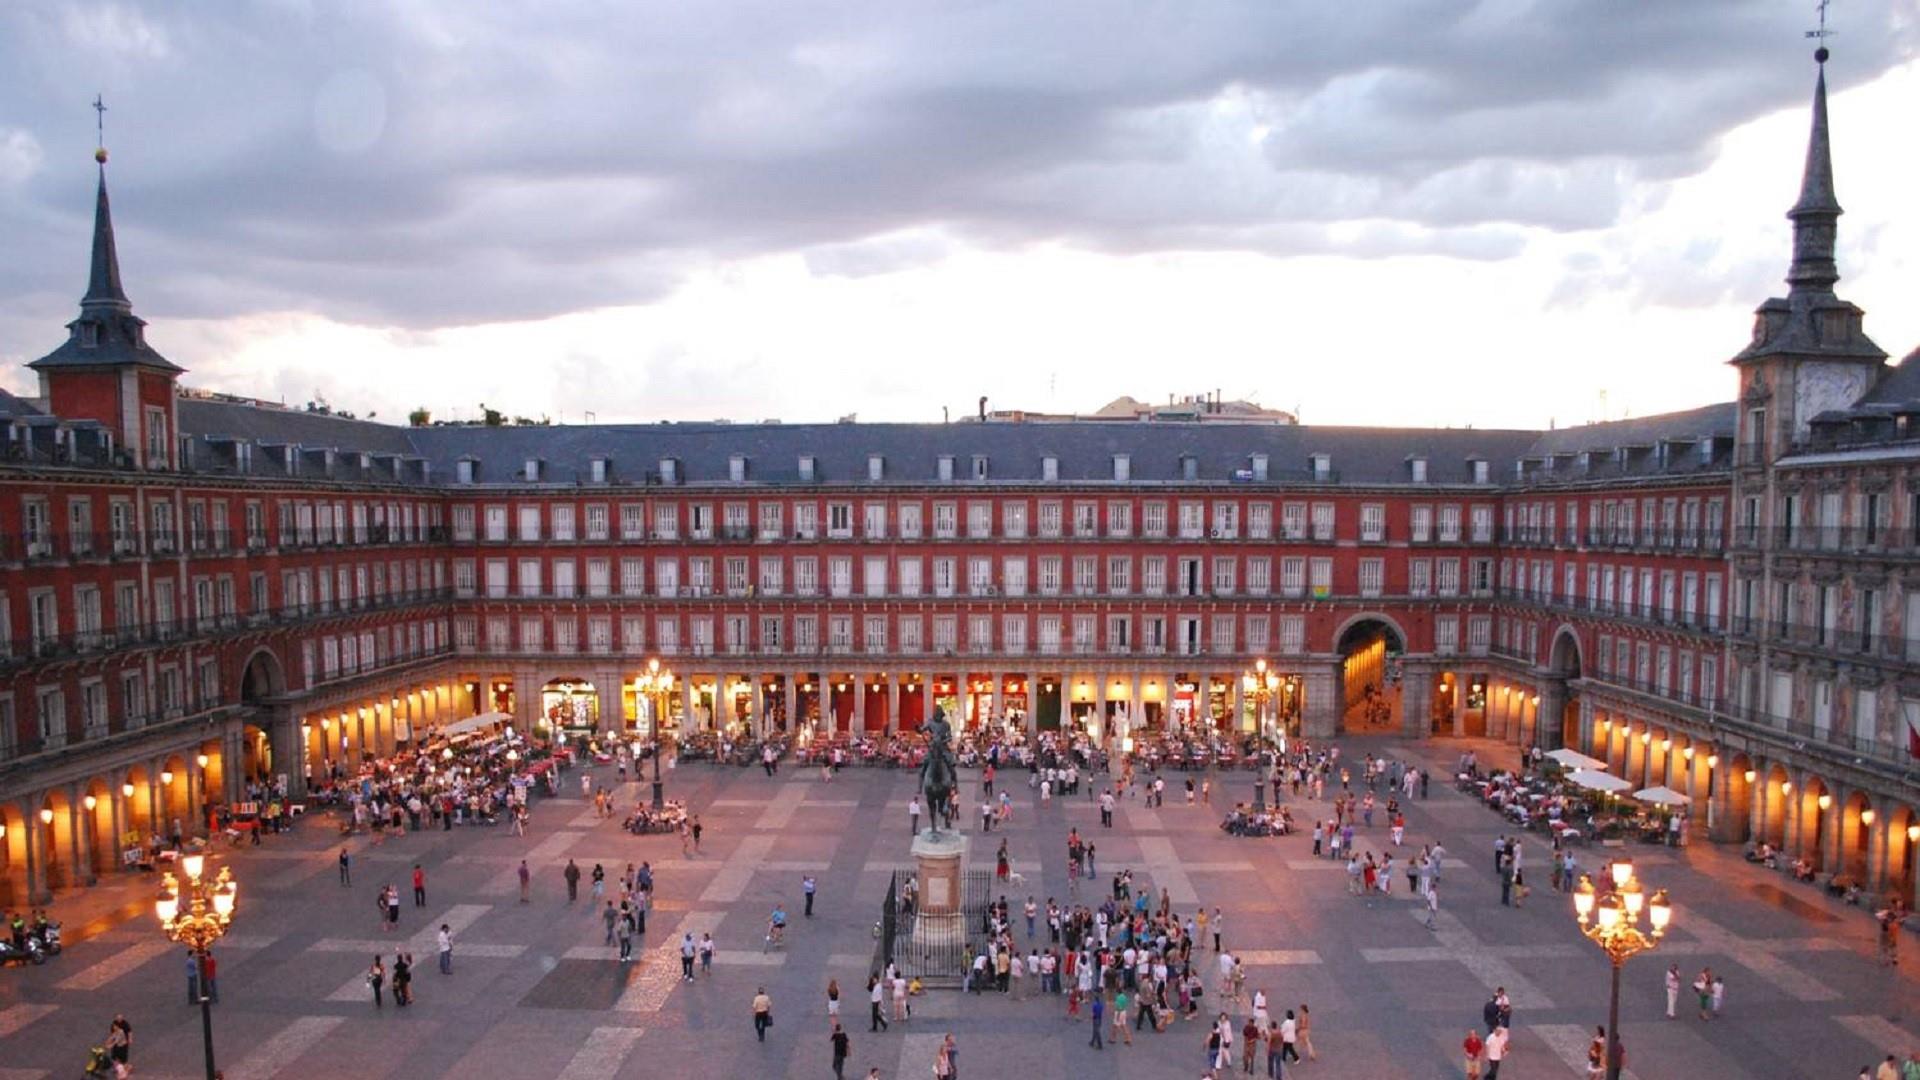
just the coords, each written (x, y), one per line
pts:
(645, 819)
(1245, 821)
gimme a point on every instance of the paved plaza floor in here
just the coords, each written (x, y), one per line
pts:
(536, 994)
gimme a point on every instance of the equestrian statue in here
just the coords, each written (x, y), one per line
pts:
(937, 773)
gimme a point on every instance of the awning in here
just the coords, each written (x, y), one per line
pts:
(1598, 781)
(1662, 796)
(1570, 758)
(472, 723)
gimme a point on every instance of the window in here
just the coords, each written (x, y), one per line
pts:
(945, 521)
(596, 521)
(909, 515)
(562, 521)
(771, 572)
(1153, 521)
(1446, 634)
(633, 577)
(1373, 522)
(700, 521)
(1049, 521)
(1119, 519)
(1224, 575)
(979, 520)
(1372, 576)
(1014, 520)
(1259, 576)
(1293, 521)
(1321, 577)
(1119, 574)
(666, 521)
(530, 522)
(1049, 575)
(874, 520)
(1323, 521)
(770, 519)
(1190, 520)
(1259, 521)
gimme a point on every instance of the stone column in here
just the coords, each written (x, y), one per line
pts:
(39, 874)
(1236, 705)
(893, 704)
(859, 684)
(1461, 685)
(119, 815)
(1320, 719)
(1587, 730)
(80, 836)
(996, 697)
(1416, 701)
(1549, 723)
(1795, 817)
(791, 698)
(1876, 849)
(686, 704)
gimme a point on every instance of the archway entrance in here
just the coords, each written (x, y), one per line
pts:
(1563, 666)
(1370, 651)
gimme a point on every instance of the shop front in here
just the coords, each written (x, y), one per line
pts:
(569, 707)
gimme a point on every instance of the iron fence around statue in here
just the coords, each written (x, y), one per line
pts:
(934, 951)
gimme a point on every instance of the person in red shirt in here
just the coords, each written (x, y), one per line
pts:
(1471, 1048)
(419, 886)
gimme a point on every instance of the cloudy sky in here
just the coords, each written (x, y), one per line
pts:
(1416, 211)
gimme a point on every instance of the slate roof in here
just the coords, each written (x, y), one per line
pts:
(107, 333)
(1014, 451)
(12, 406)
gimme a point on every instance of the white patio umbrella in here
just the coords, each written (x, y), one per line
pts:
(1569, 758)
(1598, 781)
(1663, 796)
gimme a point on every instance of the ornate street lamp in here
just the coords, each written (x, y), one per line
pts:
(209, 908)
(1612, 921)
(657, 682)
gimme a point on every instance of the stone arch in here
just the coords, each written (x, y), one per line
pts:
(136, 787)
(14, 885)
(1813, 820)
(261, 677)
(1902, 827)
(1856, 820)
(1366, 643)
(1776, 798)
(55, 820)
(98, 843)
(1737, 805)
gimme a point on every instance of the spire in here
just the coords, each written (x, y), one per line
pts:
(103, 282)
(1816, 215)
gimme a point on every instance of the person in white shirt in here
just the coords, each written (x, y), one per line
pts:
(1289, 1035)
(1496, 1052)
(1260, 1009)
(1673, 988)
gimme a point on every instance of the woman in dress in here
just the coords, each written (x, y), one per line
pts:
(376, 978)
(833, 1003)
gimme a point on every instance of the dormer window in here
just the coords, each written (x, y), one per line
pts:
(598, 469)
(1189, 467)
(876, 468)
(946, 468)
(1260, 467)
(1481, 472)
(669, 470)
(737, 468)
(1417, 470)
(1586, 461)
(89, 335)
(463, 471)
(809, 467)
(531, 471)
(979, 466)
(1050, 468)
(1706, 445)
(1122, 468)
(1322, 466)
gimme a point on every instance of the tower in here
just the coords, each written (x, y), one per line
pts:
(105, 370)
(1809, 353)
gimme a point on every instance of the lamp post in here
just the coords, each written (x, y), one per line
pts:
(1612, 921)
(209, 908)
(1261, 683)
(657, 682)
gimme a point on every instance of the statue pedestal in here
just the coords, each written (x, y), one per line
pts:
(939, 926)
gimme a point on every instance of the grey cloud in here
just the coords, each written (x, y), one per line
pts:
(437, 164)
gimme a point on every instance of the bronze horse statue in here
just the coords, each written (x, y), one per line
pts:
(937, 773)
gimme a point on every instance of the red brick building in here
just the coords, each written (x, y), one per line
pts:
(196, 591)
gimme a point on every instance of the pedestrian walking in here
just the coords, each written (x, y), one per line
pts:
(376, 978)
(599, 881)
(1496, 1052)
(687, 950)
(572, 874)
(876, 997)
(833, 1002)
(1470, 1048)
(624, 934)
(1433, 904)
(913, 816)
(706, 954)
(1673, 988)
(526, 881)
(609, 916)
(762, 1011)
(419, 886)
(1098, 1015)
(841, 1047)
(346, 868)
(808, 886)
(444, 942)
(1303, 1033)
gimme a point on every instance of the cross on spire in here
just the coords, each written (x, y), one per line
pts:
(1822, 32)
